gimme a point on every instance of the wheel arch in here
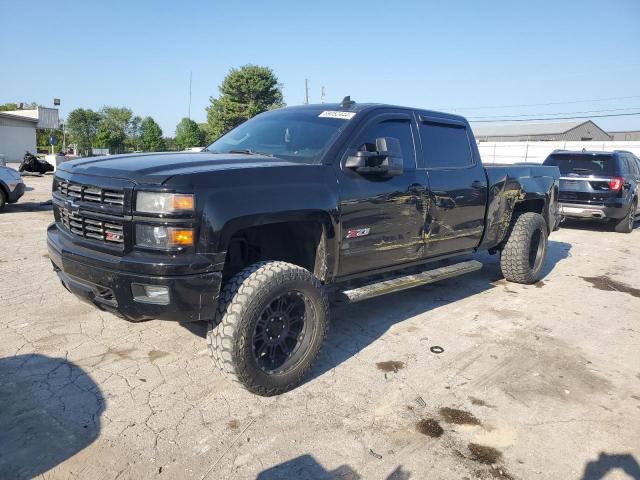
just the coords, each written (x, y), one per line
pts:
(304, 238)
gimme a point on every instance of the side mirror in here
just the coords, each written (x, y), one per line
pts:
(385, 161)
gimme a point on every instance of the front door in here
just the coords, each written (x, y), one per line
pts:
(382, 217)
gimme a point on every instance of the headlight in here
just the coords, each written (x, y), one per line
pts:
(163, 237)
(158, 202)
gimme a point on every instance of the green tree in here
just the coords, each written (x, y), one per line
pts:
(151, 136)
(43, 137)
(14, 106)
(188, 134)
(134, 133)
(113, 128)
(82, 125)
(170, 144)
(244, 93)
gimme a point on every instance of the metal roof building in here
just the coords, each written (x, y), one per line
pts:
(18, 130)
(567, 131)
(626, 136)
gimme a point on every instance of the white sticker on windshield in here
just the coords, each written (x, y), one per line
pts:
(334, 114)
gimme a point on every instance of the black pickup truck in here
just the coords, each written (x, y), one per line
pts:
(292, 209)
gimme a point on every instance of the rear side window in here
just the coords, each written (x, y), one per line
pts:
(445, 145)
(580, 164)
(632, 164)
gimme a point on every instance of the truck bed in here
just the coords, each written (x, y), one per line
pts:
(509, 184)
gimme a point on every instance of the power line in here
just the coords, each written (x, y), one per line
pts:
(555, 118)
(544, 104)
(557, 113)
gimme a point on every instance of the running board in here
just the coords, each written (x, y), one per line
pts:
(409, 281)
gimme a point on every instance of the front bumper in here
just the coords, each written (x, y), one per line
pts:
(191, 297)
(593, 212)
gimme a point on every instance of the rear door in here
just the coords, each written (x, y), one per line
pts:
(586, 178)
(458, 186)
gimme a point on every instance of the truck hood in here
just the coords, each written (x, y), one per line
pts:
(157, 168)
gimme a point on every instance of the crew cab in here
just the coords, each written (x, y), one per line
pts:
(599, 186)
(290, 211)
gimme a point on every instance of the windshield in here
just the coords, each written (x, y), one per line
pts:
(291, 134)
(581, 164)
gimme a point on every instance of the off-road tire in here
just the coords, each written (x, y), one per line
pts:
(626, 224)
(243, 298)
(3, 199)
(524, 253)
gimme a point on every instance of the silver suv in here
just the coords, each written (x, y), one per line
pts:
(11, 186)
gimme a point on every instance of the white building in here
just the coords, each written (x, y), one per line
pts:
(18, 130)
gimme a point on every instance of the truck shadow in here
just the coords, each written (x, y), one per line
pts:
(22, 207)
(600, 468)
(591, 226)
(306, 467)
(49, 410)
(356, 326)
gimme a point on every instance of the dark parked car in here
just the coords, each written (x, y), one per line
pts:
(599, 186)
(292, 208)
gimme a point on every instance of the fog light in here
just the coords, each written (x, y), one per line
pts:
(150, 293)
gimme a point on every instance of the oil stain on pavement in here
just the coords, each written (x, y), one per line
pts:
(608, 284)
(390, 366)
(458, 417)
(429, 427)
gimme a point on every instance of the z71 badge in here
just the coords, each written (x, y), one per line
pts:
(358, 232)
(113, 237)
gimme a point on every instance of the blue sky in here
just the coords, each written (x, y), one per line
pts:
(447, 55)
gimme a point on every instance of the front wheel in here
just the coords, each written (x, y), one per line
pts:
(271, 321)
(626, 224)
(525, 251)
(3, 199)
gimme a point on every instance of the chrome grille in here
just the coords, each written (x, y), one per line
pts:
(88, 193)
(86, 227)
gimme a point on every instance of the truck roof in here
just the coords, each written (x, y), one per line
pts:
(363, 107)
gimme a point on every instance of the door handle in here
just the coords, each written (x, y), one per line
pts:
(477, 184)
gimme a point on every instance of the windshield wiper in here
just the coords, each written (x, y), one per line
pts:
(248, 151)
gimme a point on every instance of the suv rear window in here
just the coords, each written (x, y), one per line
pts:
(583, 164)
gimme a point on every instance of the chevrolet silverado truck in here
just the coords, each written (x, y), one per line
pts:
(294, 209)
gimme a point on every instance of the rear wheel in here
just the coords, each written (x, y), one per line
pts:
(626, 224)
(525, 251)
(270, 325)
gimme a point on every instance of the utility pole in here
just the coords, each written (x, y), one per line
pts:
(306, 91)
(190, 77)
(322, 94)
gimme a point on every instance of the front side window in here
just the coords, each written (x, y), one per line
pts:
(299, 135)
(395, 128)
(445, 145)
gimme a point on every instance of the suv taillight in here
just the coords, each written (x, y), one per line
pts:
(615, 183)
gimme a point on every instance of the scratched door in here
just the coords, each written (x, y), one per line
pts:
(382, 218)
